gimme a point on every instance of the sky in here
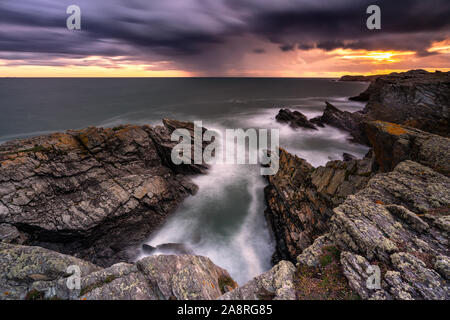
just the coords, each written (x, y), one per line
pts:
(236, 38)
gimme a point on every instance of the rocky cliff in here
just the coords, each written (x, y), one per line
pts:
(94, 193)
(416, 98)
(389, 211)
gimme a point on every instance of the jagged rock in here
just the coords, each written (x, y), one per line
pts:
(338, 179)
(164, 145)
(389, 222)
(393, 143)
(415, 98)
(348, 121)
(355, 269)
(300, 199)
(275, 284)
(295, 211)
(97, 193)
(33, 270)
(295, 119)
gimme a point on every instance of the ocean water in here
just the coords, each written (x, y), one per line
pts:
(225, 220)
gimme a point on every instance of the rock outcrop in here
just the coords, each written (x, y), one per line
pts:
(348, 121)
(94, 193)
(295, 119)
(38, 273)
(393, 143)
(275, 284)
(300, 198)
(416, 98)
(400, 223)
(389, 210)
(360, 78)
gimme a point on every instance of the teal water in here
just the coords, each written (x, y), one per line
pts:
(224, 221)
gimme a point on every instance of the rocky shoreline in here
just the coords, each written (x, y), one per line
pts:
(390, 209)
(89, 197)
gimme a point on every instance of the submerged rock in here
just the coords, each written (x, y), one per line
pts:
(295, 119)
(96, 193)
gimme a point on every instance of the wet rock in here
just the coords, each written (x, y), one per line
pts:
(348, 157)
(164, 145)
(348, 121)
(147, 249)
(168, 248)
(295, 119)
(393, 143)
(96, 193)
(276, 284)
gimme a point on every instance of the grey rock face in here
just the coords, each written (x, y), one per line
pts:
(21, 266)
(275, 284)
(310, 256)
(95, 192)
(392, 222)
(25, 270)
(300, 199)
(415, 98)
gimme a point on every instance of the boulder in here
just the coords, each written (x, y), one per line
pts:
(295, 119)
(275, 284)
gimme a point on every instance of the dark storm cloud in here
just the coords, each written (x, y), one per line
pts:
(184, 28)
